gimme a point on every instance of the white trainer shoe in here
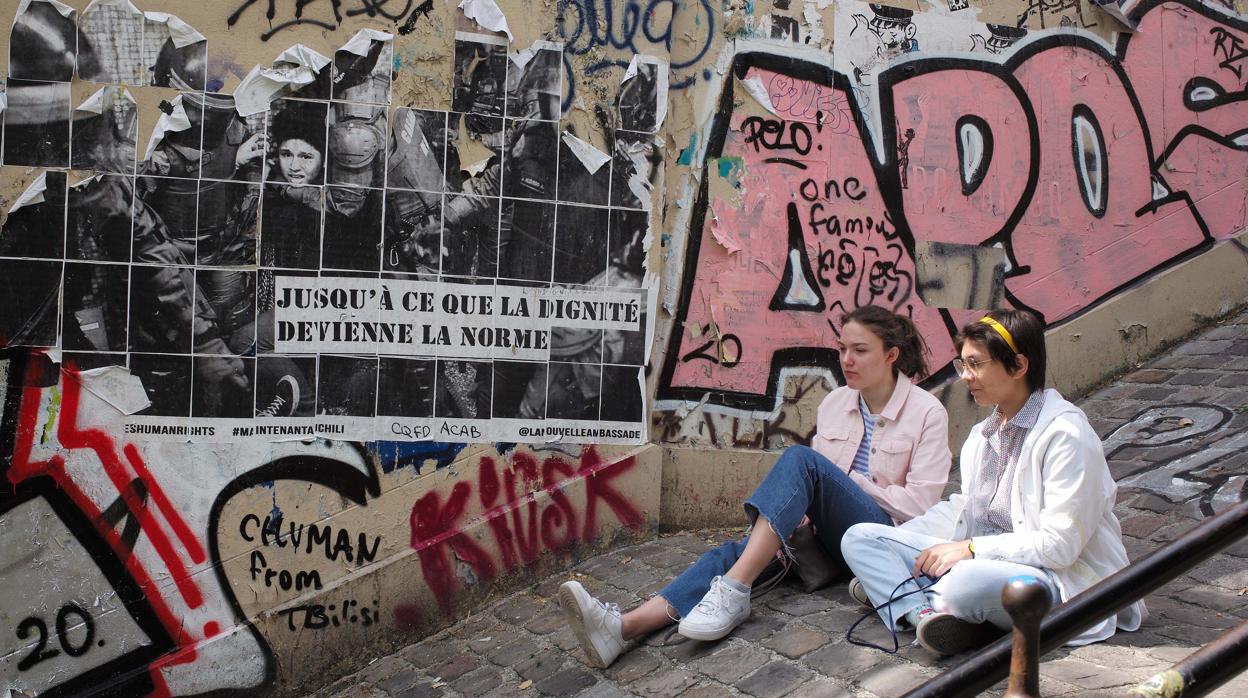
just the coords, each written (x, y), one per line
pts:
(722, 609)
(597, 625)
(859, 593)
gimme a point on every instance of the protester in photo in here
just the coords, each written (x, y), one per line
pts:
(300, 161)
(881, 455)
(1037, 499)
(291, 225)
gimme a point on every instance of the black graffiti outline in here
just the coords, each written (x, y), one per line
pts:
(971, 184)
(124, 675)
(1214, 484)
(587, 20)
(345, 480)
(1005, 71)
(1098, 208)
(796, 242)
(129, 674)
(271, 14)
(793, 357)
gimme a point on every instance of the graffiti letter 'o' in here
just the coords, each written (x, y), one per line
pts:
(1091, 160)
(813, 194)
(974, 141)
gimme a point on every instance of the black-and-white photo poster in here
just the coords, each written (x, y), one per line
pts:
(326, 263)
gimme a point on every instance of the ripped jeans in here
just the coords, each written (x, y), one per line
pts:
(801, 483)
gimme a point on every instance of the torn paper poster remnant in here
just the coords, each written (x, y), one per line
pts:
(33, 194)
(643, 94)
(116, 386)
(180, 32)
(295, 67)
(65, 10)
(592, 158)
(754, 85)
(170, 121)
(362, 42)
(102, 99)
(725, 236)
(487, 14)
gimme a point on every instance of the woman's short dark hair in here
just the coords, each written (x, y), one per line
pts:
(1028, 335)
(895, 331)
(304, 121)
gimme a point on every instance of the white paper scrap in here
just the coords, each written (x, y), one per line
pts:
(487, 14)
(183, 34)
(93, 104)
(304, 56)
(754, 85)
(33, 194)
(363, 41)
(592, 158)
(172, 122)
(116, 386)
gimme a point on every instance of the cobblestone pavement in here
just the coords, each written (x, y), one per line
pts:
(1175, 433)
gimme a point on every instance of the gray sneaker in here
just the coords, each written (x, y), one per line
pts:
(945, 634)
(720, 610)
(597, 625)
(859, 593)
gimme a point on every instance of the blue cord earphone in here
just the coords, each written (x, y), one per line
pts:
(892, 624)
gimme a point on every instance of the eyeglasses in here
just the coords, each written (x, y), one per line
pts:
(971, 367)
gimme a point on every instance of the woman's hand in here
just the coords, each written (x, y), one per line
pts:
(252, 149)
(939, 559)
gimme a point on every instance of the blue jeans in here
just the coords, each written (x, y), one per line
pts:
(802, 483)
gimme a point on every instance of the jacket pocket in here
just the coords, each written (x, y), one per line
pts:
(891, 461)
(832, 442)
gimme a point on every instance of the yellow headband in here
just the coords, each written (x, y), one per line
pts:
(1005, 334)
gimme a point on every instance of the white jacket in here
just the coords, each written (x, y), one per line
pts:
(1062, 503)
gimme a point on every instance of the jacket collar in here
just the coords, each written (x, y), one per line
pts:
(895, 401)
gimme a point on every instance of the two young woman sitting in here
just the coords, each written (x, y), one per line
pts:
(1037, 498)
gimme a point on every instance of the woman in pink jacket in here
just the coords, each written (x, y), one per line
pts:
(880, 455)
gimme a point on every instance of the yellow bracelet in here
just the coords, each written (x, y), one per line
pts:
(970, 546)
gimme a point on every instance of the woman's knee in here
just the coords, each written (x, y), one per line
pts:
(962, 590)
(797, 456)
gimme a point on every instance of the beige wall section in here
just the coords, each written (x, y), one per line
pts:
(370, 605)
(706, 488)
(1139, 322)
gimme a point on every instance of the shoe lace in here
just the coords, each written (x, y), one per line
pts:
(714, 598)
(273, 407)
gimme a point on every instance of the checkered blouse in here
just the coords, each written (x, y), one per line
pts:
(990, 493)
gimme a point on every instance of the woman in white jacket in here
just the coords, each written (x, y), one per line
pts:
(1036, 499)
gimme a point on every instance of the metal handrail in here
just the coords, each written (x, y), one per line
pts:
(1128, 585)
(1201, 671)
(1026, 599)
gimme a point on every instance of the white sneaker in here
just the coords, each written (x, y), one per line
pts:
(722, 609)
(859, 593)
(597, 625)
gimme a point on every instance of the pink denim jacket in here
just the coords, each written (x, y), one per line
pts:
(910, 457)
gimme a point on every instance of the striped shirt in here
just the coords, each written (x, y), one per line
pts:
(863, 456)
(990, 493)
